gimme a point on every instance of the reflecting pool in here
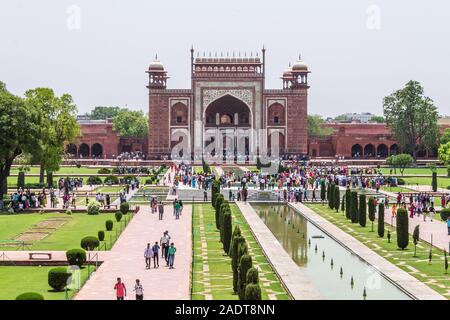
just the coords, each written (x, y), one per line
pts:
(334, 271)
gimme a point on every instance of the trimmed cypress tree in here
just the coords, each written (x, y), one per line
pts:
(217, 205)
(224, 207)
(362, 210)
(252, 289)
(226, 231)
(434, 181)
(322, 190)
(402, 228)
(330, 195)
(348, 206)
(416, 237)
(236, 233)
(381, 220)
(238, 241)
(372, 210)
(336, 198)
(245, 263)
(21, 180)
(215, 190)
(343, 203)
(354, 206)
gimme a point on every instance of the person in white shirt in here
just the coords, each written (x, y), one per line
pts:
(139, 289)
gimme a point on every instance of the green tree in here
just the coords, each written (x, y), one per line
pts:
(348, 205)
(416, 237)
(103, 113)
(330, 195)
(402, 161)
(316, 126)
(372, 210)
(227, 227)
(217, 207)
(56, 117)
(402, 228)
(362, 210)
(445, 137)
(18, 133)
(245, 263)
(444, 153)
(336, 198)
(378, 119)
(322, 190)
(381, 220)
(131, 123)
(434, 181)
(412, 118)
(354, 206)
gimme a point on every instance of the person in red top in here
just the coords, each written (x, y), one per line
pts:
(121, 291)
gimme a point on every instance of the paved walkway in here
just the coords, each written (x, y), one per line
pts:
(126, 260)
(416, 288)
(295, 279)
(436, 229)
(128, 196)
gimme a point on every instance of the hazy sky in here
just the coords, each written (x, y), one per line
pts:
(358, 50)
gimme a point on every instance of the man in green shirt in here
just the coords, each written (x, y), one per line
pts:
(177, 209)
(171, 255)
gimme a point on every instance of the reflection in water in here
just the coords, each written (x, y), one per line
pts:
(334, 271)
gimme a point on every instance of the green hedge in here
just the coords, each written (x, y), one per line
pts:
(94, 180)
(109, 223)
(30, 296)
(445, 213)
(57, 278)
(89, 243)
(124, 207)
(362, 210)
(76, 257)
(402, 228)
(104, 171)
(118, 216)
(111, 180)
(93, 208)
(101, 235)
(381, 220)
(354, 206)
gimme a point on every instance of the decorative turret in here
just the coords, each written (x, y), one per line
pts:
(296, 76)
(157, 75)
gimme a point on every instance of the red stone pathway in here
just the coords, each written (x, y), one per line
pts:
(126, 260)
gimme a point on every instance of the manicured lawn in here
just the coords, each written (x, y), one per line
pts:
(386, 171)
(431, 274)
(18, 280)
(218, 280)
(395, 189)
(65, 237)
(62, 170)
(441, 182)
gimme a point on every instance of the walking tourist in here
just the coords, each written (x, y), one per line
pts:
(164, 242)
(171, 253)
(148, 256)
(160, 210)
(155, 251)
(121, 290)
(139, 290)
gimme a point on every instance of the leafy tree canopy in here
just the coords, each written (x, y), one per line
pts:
(444, 153)
(378, 119)
(445, 136)
(131, 123)
(316, 126)
(103, 113)
(412, 118)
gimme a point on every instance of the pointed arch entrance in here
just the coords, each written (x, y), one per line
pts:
(227, 122)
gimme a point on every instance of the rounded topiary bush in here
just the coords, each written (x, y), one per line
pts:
(30, 296)
(104, 171)
(400, 182)
(252, 292)
(76, 257)
(101, 235)
(109, 224)
(111, 180)
(445, 213)
(402, 228)
(94, 180)
(89, 243)
(57, 278)
(118, 216)
(93, 208)
(124, 207)
(252, 275)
